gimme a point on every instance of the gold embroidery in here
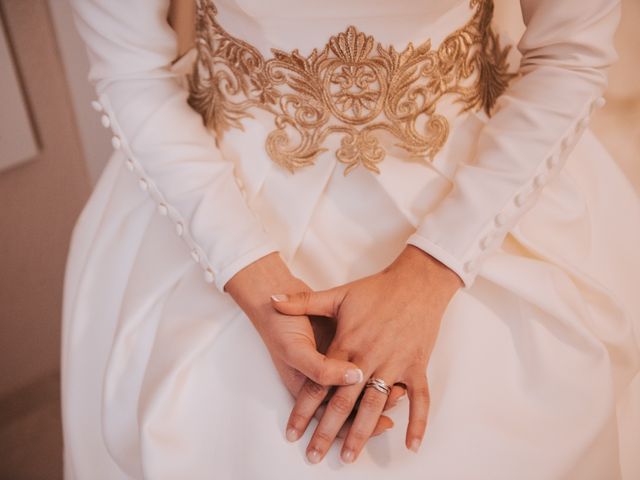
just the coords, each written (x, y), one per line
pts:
(351, 87)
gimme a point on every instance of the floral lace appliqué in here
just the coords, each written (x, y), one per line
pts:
(354, 87)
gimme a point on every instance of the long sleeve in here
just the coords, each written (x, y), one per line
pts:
(566, 50)
(175, 159)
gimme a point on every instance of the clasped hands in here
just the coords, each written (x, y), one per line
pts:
(326, 344)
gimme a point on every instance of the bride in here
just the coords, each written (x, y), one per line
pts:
(324, 204)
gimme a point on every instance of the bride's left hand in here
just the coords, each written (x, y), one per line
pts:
(387, 324)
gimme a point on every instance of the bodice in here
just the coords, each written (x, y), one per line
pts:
(359, 79)
(368, 102)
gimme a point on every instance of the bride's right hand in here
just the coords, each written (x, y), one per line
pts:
(288, 338)
(294, 342)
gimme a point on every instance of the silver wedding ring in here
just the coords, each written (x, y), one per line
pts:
(379, 385)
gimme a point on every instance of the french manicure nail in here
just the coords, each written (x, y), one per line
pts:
(313, 455)
(353, 375)
(280, 297)
(415, 445)
(347, 456)
(292, 434)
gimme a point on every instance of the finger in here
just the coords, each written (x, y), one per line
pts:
(345, 427)
(384, 424)
(322, 369)
(397, 392)
(324, 303)
(419, 401)
(310, 398)
(307, 403)
(338, 409)
(371, 407)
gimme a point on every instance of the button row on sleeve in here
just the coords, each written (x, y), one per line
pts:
(530, 191)
(97, 106)
(147, 185)
(105, 120)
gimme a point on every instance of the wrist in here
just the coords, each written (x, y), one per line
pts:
(252, 286)
(427, 268)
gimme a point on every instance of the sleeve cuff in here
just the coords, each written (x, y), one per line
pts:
(467, 272)
(229, 270)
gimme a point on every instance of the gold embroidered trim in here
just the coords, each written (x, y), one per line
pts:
(351, 87)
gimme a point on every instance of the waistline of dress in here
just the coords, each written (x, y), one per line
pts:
(352, 87)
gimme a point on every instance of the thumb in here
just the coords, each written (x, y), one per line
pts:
(324, 303)
(322, 370)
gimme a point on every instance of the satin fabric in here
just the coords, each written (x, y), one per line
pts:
(164, 376)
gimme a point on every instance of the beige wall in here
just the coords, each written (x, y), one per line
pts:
(95, 140)
(39, 202)
(618, 123)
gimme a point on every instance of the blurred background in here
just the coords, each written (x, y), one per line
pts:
(52, 150)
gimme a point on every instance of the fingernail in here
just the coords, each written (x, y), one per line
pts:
(353, 375)
(313, 455)
(347, 456)
(280, 297)
(292, 434)
(415, 445)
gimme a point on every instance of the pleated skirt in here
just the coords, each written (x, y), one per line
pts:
(532, 376)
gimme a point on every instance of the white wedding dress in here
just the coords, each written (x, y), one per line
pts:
(335, 132)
